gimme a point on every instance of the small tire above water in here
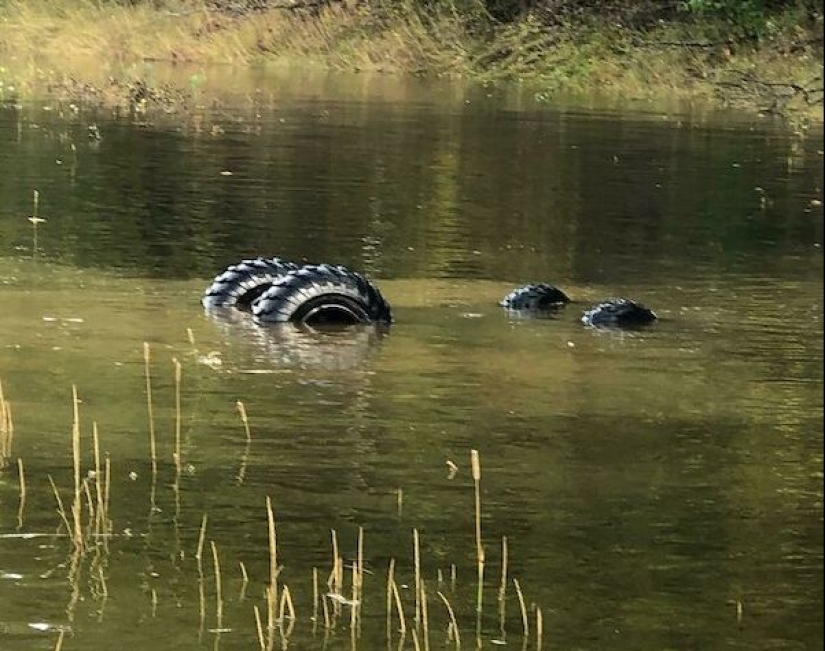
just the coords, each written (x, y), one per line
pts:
(322, 294)
(618, 313)
(241, 284)
(535, 298)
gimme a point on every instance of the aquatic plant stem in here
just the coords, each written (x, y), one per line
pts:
(525, 622)
(77, 508)
(21, 474)
(216, 563)
(453, 622)
(272, 590)
(178, 418)
(475, 463)
(153, 446)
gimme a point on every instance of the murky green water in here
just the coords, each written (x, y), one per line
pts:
(646, 482)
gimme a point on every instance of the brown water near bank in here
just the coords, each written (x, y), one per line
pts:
(647, 482)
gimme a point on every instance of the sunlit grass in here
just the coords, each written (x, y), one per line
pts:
(42, 40)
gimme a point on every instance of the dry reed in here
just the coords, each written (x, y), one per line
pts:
(417, 569)
(453, 625)
(21, 474)
(525, 622)
(272, 588)
(244, 581)
(475, 463)
(153, 446)
(6, 429)
(216, 564)
(178, 458)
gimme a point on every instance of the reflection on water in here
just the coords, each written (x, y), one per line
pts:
(278, 346)
(659, 488)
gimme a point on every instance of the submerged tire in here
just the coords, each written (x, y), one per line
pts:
(322, 294)
(535, 298)
(241, 284)
(618, 313)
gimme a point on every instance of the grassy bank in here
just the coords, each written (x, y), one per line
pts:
(92, 43)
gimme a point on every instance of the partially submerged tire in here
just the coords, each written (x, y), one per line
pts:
(241, 284)
(535, 298)
(322, 295)
(619, 313)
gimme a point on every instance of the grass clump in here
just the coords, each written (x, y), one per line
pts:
(772, 59)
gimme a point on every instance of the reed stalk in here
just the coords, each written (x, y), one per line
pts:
(6, 429)
(360, 559)
(272, 592)
(315, 594)
(453, 622)
(244, 419)
(475, 463)
(402, 620)
(178, 418)
(260, 628)
(286, 609)
(390, 582)
(353, 611)
(417, 569)
(425, 617)
(90, 509)
(154, 601)
(241, 476)
(525, 622)
(216, 564)
(327, 616)
(271, 617)
(201, 544)
(244, 581)
(502, 590)
(107, 491)
(336, 579)
(77, 505)
(153, 446)
(35, 220)
(60, 508)
(104, 588)
(21, 474)
(101, 517)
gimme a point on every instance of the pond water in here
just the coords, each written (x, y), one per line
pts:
(658, 489)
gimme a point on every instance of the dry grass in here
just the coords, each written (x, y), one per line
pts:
(47, 40)
(39, 32)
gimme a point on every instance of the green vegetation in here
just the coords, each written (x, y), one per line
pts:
(768, 53)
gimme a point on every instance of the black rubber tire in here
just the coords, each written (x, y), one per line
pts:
(618, 313)
(320, 295)
(241, 284)
(535, 298)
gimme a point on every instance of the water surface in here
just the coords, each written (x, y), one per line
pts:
(647, 482)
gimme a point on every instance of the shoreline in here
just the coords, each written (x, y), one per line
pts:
(108, 56)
